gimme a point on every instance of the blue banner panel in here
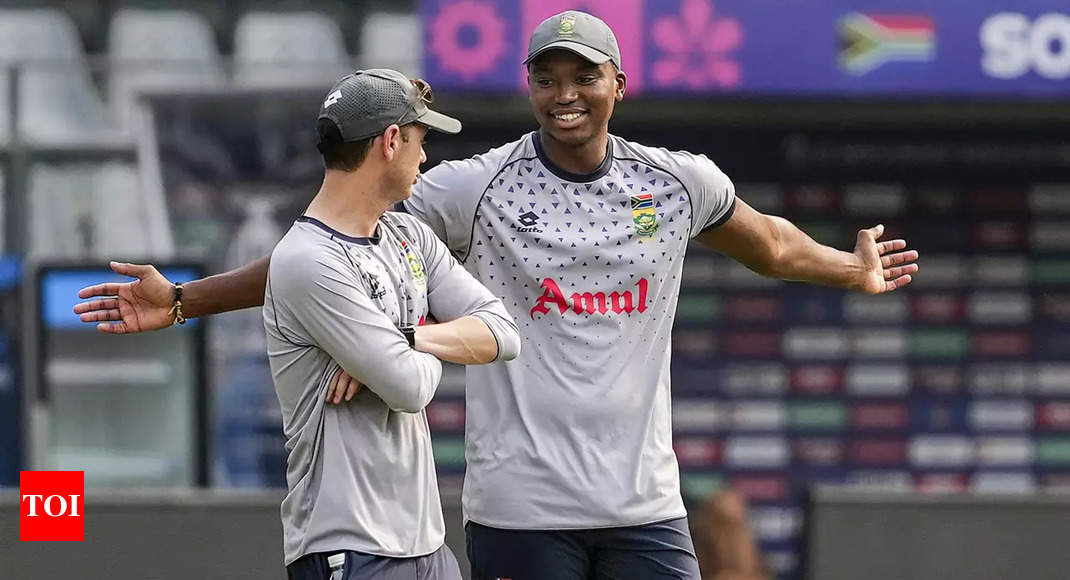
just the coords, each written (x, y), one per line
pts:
(770, 47)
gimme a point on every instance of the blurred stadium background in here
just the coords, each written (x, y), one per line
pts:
(182, 133)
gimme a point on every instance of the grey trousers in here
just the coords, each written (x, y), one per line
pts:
(439, 565)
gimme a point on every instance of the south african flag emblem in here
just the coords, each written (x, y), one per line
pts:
(644, 216)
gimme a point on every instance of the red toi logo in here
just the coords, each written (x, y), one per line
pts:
(589, 302)
(51, 504)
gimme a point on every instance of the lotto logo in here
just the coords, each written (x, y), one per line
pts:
(51, 506)
(332, 99)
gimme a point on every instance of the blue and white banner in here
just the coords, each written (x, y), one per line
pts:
(993, 48)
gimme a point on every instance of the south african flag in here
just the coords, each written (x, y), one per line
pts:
(868, 41)
(644, 216)
(642, 201)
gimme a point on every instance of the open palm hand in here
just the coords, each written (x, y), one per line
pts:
(131, 307)
(886, 267)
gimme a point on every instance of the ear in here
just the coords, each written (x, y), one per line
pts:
(622, 84)
(391, 142)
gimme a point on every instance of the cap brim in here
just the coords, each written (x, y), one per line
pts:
(439, 122)
(585, 52)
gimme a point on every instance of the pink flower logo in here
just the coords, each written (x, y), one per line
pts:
(697, 48)
(468, 61)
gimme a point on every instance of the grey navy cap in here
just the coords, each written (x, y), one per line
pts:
(577, 32)
(365, 103)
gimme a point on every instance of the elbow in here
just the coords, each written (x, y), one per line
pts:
(487, 352)
(411, 388)
(769, 264)
(770, 257)
(506, 336)
(485, 356)
(408, 398)
(508, 345)
(764, 260)
(407, 406)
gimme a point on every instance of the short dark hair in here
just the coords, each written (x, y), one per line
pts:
(345, 155)
(338, 154)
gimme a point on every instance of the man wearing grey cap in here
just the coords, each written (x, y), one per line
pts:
(570, 471)
(348, 290)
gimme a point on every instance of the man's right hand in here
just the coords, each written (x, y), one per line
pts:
(342, 387)
(130, 307)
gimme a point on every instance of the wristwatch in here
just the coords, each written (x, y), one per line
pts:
(410, 335)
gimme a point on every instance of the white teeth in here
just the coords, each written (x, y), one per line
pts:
(568, 116)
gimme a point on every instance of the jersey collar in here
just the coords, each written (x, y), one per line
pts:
(595, 175)
(372, 241)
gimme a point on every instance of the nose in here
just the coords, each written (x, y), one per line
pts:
(423, 156)
(566, 93)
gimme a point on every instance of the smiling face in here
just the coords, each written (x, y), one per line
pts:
(573, 99)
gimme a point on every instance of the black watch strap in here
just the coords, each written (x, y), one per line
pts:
(410, 335)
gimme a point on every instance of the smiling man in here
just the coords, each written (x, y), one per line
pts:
(570, 468)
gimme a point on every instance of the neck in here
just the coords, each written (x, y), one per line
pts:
(582, 158)
(350, 203)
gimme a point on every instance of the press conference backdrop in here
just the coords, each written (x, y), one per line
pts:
(961, 382)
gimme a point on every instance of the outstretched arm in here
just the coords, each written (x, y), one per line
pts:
(773, 246)
(145, 304)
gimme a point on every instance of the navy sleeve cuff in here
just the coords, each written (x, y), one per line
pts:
(723, 219)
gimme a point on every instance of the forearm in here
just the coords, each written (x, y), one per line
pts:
(799, 258)
(466, 340)
(406, 384)
(239, 288)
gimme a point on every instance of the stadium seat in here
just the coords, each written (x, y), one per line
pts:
(296, 49)
(159, 49)
(74, 209)
(58, 102)
(117, 199)
(392, 40)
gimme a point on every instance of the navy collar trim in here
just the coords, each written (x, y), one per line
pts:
(372, 241)
(595, 175)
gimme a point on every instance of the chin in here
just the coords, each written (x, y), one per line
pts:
(574, 137)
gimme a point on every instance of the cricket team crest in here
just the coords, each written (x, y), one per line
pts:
(568, 25)
(416, 266)
(644, 216)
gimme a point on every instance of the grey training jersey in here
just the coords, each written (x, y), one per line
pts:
(576, 432)
(361, 474)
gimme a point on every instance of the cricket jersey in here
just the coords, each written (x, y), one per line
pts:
(361, 474)
(575, 432)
